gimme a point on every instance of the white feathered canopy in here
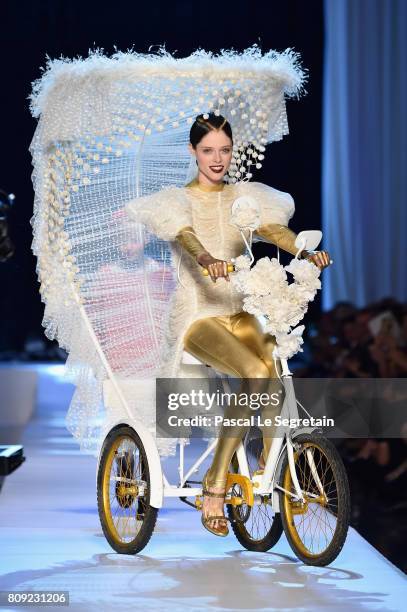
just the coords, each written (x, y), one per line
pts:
(112, 129)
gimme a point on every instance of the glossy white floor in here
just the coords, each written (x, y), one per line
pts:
(51, 539)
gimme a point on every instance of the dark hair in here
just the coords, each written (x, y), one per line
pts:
(202, 126)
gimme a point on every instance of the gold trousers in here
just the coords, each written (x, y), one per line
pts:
(236, 345)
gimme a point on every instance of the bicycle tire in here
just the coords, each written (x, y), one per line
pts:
(238, 525)
(288, 508)
(148, 514)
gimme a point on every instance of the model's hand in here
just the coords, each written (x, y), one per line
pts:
(217, 268)
(321, 259)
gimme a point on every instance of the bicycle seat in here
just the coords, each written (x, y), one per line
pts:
(189, 359)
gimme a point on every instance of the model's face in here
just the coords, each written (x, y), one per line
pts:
(213, 154)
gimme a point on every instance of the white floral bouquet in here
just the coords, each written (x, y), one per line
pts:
(269, 294)
(245, 213)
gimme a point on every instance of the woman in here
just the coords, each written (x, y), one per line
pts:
(217, 330)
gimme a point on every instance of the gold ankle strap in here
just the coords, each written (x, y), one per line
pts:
(209, 494)
(219, 483)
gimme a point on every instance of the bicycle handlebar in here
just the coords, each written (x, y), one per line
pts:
(231, 268)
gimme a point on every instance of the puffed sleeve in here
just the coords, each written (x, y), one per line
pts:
(164, 213)
(275, 206)
(276, 209)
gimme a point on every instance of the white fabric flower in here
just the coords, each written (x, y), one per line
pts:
(245, 213)
(266, 274)
(289, 344)
(303, 270)
(242, 262)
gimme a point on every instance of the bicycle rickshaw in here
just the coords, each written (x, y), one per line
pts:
(302, 490)
(112, 129)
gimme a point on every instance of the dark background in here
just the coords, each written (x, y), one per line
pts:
(32, 30)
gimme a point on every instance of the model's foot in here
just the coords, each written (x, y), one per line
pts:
(214, 507)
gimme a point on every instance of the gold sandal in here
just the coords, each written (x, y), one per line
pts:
(223, 531)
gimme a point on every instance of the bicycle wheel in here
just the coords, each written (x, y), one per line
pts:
(316, 529)
(258, 527)
(123, 492)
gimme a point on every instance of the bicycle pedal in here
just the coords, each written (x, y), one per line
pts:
(198, 502)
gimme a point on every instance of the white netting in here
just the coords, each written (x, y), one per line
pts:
(112, 129)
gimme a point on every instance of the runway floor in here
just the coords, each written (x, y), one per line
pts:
(51, 539)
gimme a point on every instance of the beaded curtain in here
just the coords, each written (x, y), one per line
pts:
(112, 129)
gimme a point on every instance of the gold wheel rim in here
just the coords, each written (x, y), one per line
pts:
(124, 490)
(312, 525)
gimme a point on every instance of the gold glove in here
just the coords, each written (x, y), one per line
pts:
(187, 238)
(281, 236)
